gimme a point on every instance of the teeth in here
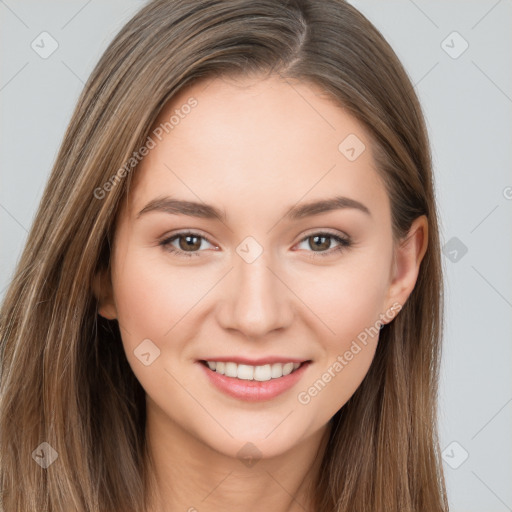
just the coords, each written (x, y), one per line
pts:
(230, 369)
(245, 372)
(287, 368)
(248, 372)
(262, 373)
(277, 370)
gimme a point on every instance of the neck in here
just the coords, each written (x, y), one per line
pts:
(187, 475)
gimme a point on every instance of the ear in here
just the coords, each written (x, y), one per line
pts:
(102, 289)
(406, 264)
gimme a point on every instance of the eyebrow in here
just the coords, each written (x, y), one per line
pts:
(206, 211)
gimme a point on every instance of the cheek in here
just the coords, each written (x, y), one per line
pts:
(155, 302)
(349, 304)
(347, 355)
(347, 300)
(151, 298)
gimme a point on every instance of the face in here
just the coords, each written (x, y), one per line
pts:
(253, 278)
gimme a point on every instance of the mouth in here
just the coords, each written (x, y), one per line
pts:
(260, 373)
(251, 382)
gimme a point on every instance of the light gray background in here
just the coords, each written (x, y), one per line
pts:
(467, 102)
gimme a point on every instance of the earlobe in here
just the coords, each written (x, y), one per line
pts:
(408, 257)
(102, 289)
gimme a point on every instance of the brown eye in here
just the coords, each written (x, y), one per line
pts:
(321, 244)
(189, 244)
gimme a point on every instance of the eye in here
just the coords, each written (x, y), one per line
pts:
(321, 243)
(189, 243)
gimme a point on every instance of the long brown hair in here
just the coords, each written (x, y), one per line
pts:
(65, 379)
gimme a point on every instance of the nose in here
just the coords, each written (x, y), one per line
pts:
(257, 300)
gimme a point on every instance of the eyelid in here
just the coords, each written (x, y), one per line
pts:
(201, 234)
(166, 240)
(343, 240)
(321, 231)
(184, 232)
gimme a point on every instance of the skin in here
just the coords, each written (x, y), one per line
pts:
(253, 148)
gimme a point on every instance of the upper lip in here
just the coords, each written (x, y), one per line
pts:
(256, 362)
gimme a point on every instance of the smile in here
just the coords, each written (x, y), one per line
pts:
(253, 383)
(248, 372)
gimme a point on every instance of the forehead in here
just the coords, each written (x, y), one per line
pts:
(268, 141)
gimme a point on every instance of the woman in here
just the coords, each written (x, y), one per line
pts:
(231, 296)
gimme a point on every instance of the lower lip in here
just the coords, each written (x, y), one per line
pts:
(253, 390)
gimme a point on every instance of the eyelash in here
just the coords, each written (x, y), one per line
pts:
(344, 243)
